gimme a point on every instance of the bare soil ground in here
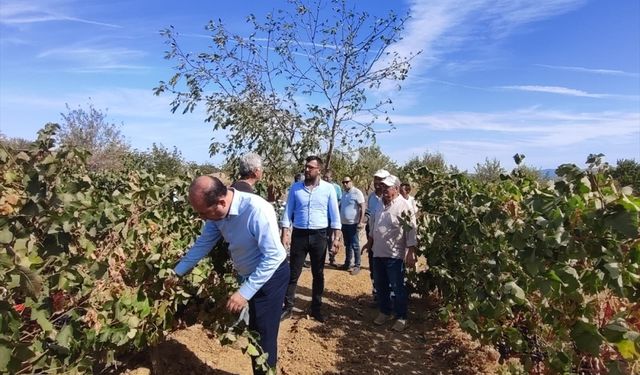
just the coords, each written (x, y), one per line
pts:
(348, 343)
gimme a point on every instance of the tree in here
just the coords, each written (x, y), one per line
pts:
(369, 160)
(627, 173)
(489, 171)
(434, 162)
(90, 130)
(14, 143)
(160, 160)
(323, 53)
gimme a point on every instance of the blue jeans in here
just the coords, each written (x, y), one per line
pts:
(351, 244)
(389, 275)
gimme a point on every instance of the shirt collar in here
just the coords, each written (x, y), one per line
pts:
(235, 203)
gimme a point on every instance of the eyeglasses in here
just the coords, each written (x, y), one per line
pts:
(345, 182)
(310, 167)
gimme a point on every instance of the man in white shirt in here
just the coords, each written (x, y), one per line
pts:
(393, 245)
(405, 189)
(352, 209)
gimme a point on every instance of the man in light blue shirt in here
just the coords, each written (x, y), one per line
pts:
(312, 207)
(352, 209)
(249, 224)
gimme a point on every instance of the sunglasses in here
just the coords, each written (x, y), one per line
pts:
(345, 182)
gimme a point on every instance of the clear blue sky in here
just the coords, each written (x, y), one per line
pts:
(552, 79)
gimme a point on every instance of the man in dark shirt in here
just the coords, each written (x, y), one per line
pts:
(250, 172)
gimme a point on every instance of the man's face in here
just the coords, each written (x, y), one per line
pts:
(327, 177)
(216, 211)
(311, 170)
(377, 184)
(388, 193)
(347, 184)
(405, 190)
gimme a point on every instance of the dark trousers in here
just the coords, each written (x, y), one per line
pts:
(264, 312)
(370, 256)
(314, 243)
(388, 277)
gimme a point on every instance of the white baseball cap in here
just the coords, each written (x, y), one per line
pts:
(382, 173)
(390, 180)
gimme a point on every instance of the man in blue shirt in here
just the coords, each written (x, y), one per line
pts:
(312, 207)
(249, 224)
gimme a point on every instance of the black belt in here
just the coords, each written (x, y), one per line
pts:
(309, 231)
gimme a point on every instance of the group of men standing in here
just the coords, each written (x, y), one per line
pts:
(313, 221)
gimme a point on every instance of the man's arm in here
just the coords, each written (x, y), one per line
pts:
(203, 245)
(333, 216)
(333, 211)
(411, 239)
(362, 210)
(368, 245)
(264, 227)
(287, 217)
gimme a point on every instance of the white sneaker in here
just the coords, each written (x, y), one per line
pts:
(382, 319)
(399, 325)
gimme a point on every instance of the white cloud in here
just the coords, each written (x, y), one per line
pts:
(531, 126)
(555, 90)
(567, 91)
(590, 70)
(21, 12)
(95, 58)
(440, 26)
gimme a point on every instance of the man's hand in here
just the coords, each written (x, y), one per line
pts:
(366, 246)
(236, 303)
(170, 283)
(285, 238)
(361, 225)
(410, 258)
(336, 238)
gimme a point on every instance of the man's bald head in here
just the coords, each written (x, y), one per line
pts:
(206, 192)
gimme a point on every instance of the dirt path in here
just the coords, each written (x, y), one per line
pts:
(348, 343)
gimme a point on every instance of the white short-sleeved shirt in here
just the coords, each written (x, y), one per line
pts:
(350, 206)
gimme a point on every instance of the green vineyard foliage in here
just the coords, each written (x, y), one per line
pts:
(548, 273)
(84, 258)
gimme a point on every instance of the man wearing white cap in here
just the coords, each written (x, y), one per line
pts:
(393, 246)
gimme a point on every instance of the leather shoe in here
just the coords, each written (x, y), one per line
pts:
(286, 314)
(318, 317)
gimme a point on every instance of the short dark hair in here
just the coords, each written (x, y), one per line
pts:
(213, 192)
(406, 184)
(316, 158)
